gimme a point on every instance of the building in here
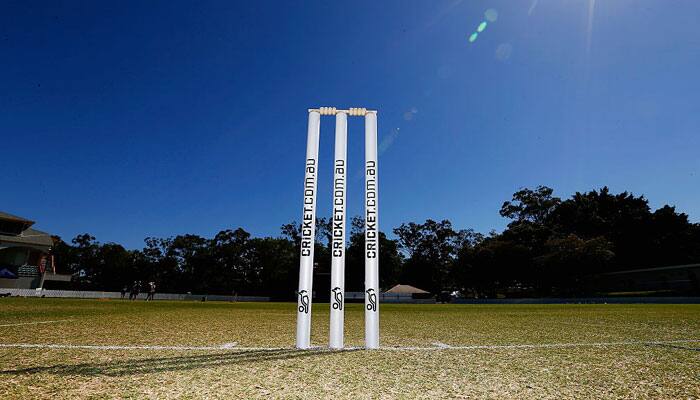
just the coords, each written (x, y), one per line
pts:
(407, 290)
(25, 255)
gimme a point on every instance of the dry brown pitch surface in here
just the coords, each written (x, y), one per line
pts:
(114, 349)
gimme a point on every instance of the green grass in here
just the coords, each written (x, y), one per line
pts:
(602, 371)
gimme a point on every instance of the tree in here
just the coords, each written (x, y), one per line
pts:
(277, 260)
(232, 269)
(567, 259)
(676, 240)
(530, 205)
(156, 263)
(431, 250)
(622, 219)
(192, 255)
(84, 261)
(113, 263)
(549, 247)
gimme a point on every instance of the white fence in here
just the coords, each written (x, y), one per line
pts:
(82, 294)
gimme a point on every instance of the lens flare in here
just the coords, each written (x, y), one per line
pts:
(503, 51)
(491, 15)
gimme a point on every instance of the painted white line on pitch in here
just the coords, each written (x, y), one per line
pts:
(227, 346)
(441, 345)
(37, 322)
(144, 347)
(540, 346)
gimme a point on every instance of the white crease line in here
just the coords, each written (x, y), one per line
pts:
(116, 347)
(37, 322)
(541, 346)
(321, 349)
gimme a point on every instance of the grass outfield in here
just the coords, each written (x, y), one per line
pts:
(243, 350)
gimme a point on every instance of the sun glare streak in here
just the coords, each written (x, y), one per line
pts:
(589, 29)
(388, 140)
(441, 13)
(532, 7)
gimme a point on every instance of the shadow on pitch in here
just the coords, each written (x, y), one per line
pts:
(162, 364)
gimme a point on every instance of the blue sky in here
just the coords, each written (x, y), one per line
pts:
(134, 119)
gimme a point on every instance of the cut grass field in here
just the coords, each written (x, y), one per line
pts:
(122, 349)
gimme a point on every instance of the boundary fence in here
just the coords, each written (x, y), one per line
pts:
(586, 300)
(85, 294)
(352, 297)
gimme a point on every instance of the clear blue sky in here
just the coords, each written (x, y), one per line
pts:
(156, 118)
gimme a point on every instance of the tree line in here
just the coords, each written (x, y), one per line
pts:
(549, 248)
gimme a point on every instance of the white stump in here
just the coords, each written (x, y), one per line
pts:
(338, 232)
(371, 234)
(308, 229)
